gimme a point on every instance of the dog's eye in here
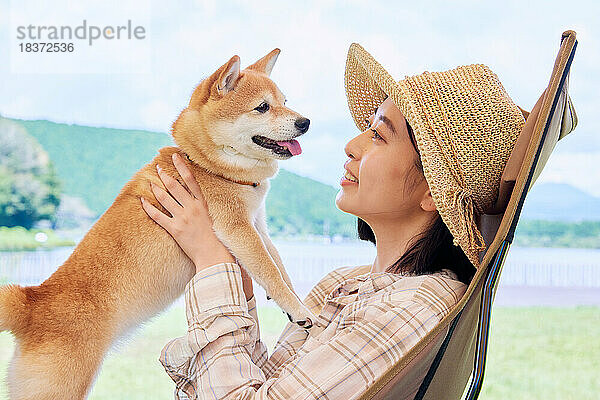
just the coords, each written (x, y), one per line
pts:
(263, 108)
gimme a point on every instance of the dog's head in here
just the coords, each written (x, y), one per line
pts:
(238, 118)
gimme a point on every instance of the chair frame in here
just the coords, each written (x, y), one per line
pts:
(492, 277)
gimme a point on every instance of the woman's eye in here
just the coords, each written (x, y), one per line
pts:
(375, 134)
(263, 108)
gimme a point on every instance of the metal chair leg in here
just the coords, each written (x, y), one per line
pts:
(483, 329)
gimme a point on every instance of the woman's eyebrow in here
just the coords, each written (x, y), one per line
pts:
(387, 121)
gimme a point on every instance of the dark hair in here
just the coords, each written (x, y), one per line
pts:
(430, 251)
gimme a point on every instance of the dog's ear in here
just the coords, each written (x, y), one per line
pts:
(228, 76)
(265, 64)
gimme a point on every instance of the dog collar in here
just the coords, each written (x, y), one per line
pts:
(253, 184)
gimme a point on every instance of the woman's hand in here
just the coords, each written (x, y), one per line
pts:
(190, 225)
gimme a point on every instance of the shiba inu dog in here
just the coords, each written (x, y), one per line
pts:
(127, 268)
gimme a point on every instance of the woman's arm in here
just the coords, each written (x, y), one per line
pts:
(260, 354)
(217, 312)
(215, 358)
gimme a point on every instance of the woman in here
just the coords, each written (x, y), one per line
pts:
(427, 163)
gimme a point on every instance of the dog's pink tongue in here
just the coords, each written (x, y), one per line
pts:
(292, 145)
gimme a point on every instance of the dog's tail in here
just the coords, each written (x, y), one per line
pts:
(13, 308)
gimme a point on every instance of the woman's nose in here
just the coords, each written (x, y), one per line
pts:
(354, 147)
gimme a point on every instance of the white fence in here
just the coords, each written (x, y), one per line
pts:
(307, 264)
(31, 267)
(530, 274)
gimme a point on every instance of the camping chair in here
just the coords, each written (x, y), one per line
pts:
(441, 363)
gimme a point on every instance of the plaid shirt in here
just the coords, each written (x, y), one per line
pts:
(370, 320)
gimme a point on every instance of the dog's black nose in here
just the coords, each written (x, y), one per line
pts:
(302, 124)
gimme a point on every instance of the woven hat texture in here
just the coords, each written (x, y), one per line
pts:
(465, 126)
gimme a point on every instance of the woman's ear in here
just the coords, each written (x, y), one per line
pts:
(427, 203)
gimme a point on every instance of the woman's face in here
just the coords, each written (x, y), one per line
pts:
(383, 160)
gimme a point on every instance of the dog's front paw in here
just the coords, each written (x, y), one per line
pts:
(306, 322)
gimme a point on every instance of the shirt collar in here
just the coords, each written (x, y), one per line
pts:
(363, 285)
(366, 284)
(373, 282)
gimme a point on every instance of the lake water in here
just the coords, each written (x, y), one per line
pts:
(574, 270)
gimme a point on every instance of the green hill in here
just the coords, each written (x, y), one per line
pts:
(94, 163)
(299, 205)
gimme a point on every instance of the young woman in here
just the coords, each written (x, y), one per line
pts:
(427, 162)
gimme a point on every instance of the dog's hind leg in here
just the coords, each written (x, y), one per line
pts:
(52, 372)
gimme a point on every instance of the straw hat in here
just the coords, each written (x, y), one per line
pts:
(465, 126)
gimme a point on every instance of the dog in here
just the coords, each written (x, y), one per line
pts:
(127, 268)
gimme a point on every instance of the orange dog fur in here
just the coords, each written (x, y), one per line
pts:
(127, 268)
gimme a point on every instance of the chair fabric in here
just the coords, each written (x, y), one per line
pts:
(464, 356)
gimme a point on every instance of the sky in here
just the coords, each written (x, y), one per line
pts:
(145, 83)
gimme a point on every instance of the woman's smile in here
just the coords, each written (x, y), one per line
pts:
(348, 179)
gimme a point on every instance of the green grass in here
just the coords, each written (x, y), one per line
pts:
(543, 353)
(535, 353)
(18, 238)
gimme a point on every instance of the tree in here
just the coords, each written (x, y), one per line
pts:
(29, 186)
